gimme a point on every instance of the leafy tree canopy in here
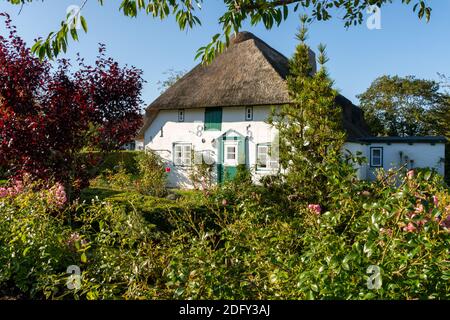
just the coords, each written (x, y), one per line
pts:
(396, 106)
(172, 76)
(47, 115)
(267, 12)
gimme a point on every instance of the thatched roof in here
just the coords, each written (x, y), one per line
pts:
(248, 73)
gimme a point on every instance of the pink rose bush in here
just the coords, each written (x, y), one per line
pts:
(415, 224)
(54, 196)
(12, 191)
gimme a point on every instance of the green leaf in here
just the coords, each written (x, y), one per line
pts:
(26, 251)
(36, 46)
(84, 23)
(285, 12)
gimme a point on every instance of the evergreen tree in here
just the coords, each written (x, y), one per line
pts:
(310, 128)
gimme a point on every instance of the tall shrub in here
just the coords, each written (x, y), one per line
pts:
(152, 174)
(48, 115)
(311, 136)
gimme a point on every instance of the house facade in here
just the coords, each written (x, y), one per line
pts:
(398, 152)
(224, 137)
(218, 114)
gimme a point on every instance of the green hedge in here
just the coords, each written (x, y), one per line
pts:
(111, 161)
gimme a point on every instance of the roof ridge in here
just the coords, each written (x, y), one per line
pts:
(243, 36)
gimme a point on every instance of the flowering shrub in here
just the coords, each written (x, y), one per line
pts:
(12, 191)
(33, 254)
(54, 197)
(244, 249)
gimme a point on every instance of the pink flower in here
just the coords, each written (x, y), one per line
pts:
(435, 201)
(316, 208)
(57, 195)
(167, 169)
(410, 227)
(12, 191)
(3, 192)
(224, 202)
(410, 174)
(422, 222)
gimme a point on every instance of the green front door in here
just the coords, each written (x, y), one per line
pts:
(230, 159)
(232, 152)
(229, 173)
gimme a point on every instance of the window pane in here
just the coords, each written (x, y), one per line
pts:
(376, 157)
(182, 154)
(231, 153)
(263, 156)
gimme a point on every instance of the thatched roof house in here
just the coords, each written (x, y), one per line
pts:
(219, 111)
(248, 73)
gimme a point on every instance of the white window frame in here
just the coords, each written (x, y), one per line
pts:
(248, 113)
(182, 154)
(267, 155)
(232, 161)
(372, 162)
(180, 115)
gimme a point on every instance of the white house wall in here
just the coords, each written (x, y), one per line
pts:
(424, 155)
(259, 132)
(354, 148)
(191, 131)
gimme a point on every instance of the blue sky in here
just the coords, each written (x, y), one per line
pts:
(404, 46)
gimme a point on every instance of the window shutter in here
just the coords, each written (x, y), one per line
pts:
(213, 119)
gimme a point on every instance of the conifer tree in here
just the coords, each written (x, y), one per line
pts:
(310, 132)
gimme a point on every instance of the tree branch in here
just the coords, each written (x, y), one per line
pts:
(272, 4)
